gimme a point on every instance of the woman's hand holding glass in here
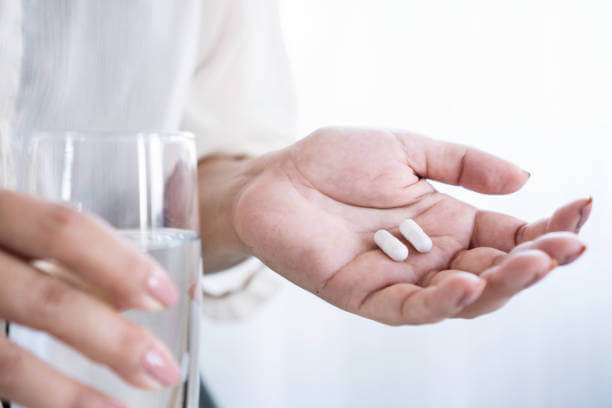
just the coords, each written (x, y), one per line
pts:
(97, 275)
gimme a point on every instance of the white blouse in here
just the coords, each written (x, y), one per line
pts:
(217, 68)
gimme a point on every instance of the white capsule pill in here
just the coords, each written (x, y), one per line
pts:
(390, 245)
(416, 236)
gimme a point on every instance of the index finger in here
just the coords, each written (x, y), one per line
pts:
(37, 229)
(462, 165)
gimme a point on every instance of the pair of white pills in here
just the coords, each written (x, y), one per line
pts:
(395, 249)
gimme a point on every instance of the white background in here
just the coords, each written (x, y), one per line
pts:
(530, 80)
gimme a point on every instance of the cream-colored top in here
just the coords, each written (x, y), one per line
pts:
(217, 68)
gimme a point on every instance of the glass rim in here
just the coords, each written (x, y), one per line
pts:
(108, 135)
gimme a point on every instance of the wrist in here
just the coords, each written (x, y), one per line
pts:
(221, 180)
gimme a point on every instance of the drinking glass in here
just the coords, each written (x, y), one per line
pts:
(144, 185)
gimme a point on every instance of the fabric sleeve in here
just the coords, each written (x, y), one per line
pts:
(241, 102)
(11, 52)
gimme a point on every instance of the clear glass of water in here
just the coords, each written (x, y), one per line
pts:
(143, 184)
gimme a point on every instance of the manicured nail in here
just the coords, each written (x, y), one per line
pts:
(160, 370)
(584, 213)
(467, 299)
(470, 296)
(553, 264)
(161, 289)
(572, 258)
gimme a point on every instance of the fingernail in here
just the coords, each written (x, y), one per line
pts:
(160, 370)
(466, 299)
(572, 258)
(553, 264)
(161, 289)
(584, 213)
(527, 173)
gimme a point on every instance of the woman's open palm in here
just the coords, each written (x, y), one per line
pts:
(311, 211)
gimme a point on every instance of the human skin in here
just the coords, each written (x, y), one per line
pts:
(309, 212)
(79, 305)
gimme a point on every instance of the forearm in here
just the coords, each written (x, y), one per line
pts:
(220, 181)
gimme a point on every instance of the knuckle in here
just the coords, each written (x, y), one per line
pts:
(62, 217)
(131, 344)
(58, 221)
(132, 340)
(46, 295)
(82, 396)
(128, 290)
